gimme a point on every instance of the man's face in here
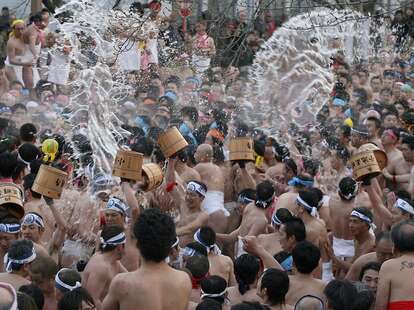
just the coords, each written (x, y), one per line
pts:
(372, 128)
(385, 97)
(387, 138)
(31, 232)
(384, 250)
(6, 240)
(355, 140)
(388, 82)
(5, 12)
(192, 199)
(376, 85)
(173, 87)
(408, 154)
(113, 218)
(370, 279)
(390, 121)
(287, 243)
(18, 30)
(356, 226)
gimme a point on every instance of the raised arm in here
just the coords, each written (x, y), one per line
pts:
(251, 246)
(192, 227)
(130, 198)
(377, 204)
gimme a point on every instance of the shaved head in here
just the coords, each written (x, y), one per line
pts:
(204, 153)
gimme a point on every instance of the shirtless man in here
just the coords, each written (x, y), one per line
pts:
(191, 215)
(403, 168)
(254, 220)
(271, 241)
(305, 260)
(66, 280)
(340, 208)
(276, 174)
(185, 172)
(374, 126)
(360, 223)
(396, 282)
(9, 232)
(16, 61)
(359, 136)
(389, 139)
(383, 252)
(17, 260)
(116, 213)
(220, 265)
(288, 200)
(32, 38)
(306, 208)
(105, 265)
(32, 228)
(155, 285)
(212, 176)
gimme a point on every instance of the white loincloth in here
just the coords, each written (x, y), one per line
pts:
(238, 249)
(343, 248)
(214, 202)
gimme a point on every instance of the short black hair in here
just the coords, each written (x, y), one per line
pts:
(17, 249)
(340, 294)
(375, 120)
(69, 277)
(199, 248)
(29, 152)
(409, 140)
(276, 282)
(28, 182)
(347, 187)
(294, 226)
(403, 236)
(283, 214)
(25, 302)
(144, 146)
(155, 234)
(8, 164)
(264, 191)
(28, 132)
(36, 18)
(214, 285)
(73, 299)
(364, 300)
(383, 235)
(43, 268)
(306, 257)
(369, 266)
(108, 232)
(209, 304)
(365, 211)
(198, 266)
(208, 235)
(310, 197)
(246, 269)
(18, 106)
(190, 112)
(35, 292)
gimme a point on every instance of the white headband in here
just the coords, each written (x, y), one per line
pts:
(349, 196)
(116, 240)
(197, 188)
(403, 205)
(59, 282)
(32, 218)
(9, 261)
(210, 248)
(176, 242)
(303, 203)
(115, 204)
(213, 295)
(361, 216)
(10, 228)
(275, 220)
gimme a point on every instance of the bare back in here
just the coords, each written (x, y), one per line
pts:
(301, 286)
(340, 212)
(211, 175)
(221, 265)
(158, 287)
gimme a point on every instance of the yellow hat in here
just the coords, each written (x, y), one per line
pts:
(349, 122)
(16, 22)
(50, 147)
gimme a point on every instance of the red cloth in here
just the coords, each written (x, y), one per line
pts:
(195, 282)
(401, 305)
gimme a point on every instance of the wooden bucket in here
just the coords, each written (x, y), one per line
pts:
(364, 164)
(11, 199)
(49, 182)
(171, 142)
(153, 176)
(379, 154)
(128, 165)
(241, 149)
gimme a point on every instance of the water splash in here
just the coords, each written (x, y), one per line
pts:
(291, 78)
